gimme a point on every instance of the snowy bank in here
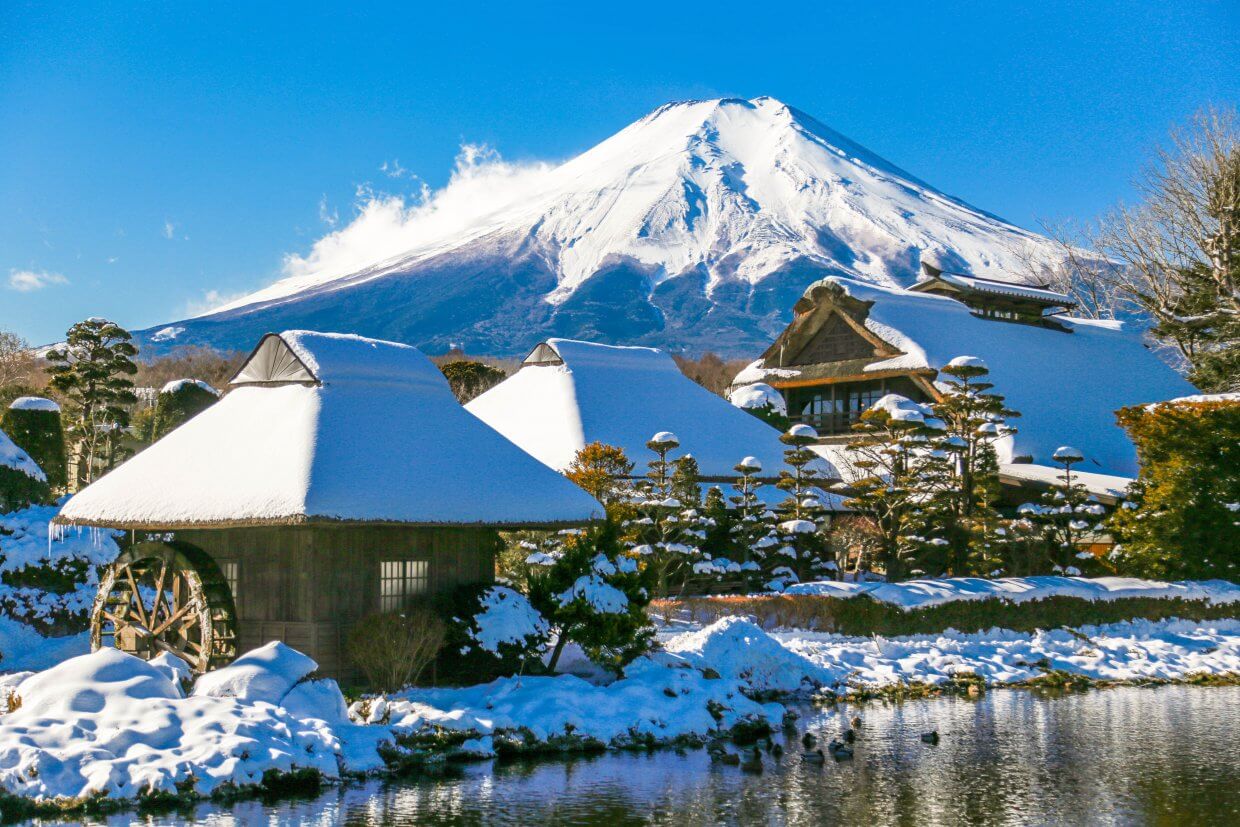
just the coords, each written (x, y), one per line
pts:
(919, 594)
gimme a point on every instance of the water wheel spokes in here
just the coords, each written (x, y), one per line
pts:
(166, 597)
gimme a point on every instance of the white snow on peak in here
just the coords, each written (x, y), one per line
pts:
(738, 188)
(34, 403)
(380, 438)
(620, 396)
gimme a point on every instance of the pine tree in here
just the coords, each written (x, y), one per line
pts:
(603, 470)
(890, 451)
(755, 537)
(1066, 513)
(91, 371)
(959, 516)
(804, 520)
(666, 531)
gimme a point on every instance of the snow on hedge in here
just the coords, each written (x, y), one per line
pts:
(34, 403)
(11, 456)
(27, 541)
(176, 384)
(919, 594)
(506, 618)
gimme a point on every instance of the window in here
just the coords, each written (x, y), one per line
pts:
(401, 580)
(232, 575)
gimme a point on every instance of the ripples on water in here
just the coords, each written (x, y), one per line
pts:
(1163, 756)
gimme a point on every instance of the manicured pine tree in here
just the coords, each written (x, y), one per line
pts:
(959, 517)
(803, 519)
(1066, 513)
(91, 371)
(604, 471)
(890, 451)
(755, 537)
(666, 531)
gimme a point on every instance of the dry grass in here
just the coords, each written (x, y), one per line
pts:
(394, 648)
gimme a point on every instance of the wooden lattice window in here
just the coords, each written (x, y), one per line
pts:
(231, 570)
(400, 581)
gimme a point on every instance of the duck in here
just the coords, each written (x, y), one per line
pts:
(931, 737)
(730, 758)
(856, 722)
(777, 751)
(815, 757)
(850, 736)
(754, 762)
(840, 751)
(717, 747)
(808, 740)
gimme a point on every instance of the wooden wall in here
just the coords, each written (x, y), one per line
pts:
(309, 585)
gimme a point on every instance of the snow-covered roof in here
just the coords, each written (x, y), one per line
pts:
(1107, 487)
(34, 403)
(998, 288)
(12, 456)
(622, 396)
(176, 384)
(374, 434)
(1066, 385)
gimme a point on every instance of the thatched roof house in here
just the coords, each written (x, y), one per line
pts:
(338, 478)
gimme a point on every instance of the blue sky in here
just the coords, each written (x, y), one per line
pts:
(154, 157)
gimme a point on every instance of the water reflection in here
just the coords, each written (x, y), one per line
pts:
(1132, 756)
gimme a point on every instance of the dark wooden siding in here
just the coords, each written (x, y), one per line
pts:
(309, 585)
(835, 341)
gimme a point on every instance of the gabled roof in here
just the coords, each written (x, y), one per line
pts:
(1039, 294)
(351, 429)
(570, 393)
(1067, 386)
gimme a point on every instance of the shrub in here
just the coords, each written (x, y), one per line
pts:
(493, 631)
(179, 402)
(1182, 520)
(393, 648)
(469, 379)
(19, 490)
(37, 431)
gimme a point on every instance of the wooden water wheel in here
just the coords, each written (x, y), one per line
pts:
(166, 597)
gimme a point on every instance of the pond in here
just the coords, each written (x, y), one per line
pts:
(1166, 755)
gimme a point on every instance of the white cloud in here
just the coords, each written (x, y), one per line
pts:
(210, 301)
(170, 229)
(327, 215)
(482, 185)
(393, 169)
(27, 281)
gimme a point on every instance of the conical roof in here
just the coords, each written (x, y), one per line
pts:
(328, 427)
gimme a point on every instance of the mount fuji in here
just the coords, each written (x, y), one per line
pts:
(695, 228)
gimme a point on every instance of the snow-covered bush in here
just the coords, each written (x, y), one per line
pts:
(177, 403)
(22, 481)
(393, 648)
(50, 583)
(494, 631)
(33, 423)
(763, 401)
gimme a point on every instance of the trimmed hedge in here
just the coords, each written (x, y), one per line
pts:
(20, 491)
(39, 433)
(863, 616)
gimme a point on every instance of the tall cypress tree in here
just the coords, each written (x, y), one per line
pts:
(91, 371)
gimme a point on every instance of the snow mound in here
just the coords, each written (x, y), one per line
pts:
(176, 384)
(738, 649)
(110, 724)
(34, 403)
(320, 698)
(758, 396)
(263, 674)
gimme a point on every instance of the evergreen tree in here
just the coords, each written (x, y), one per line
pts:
(33, 423)
(469, 379)
(667, 530)
(592, 594)
(91, 371)
(958, 526)
(890, 451)
(602, 470)
(177, 403)
(755, 537)
(1182, 517)
(1066, 513)
(804, 520)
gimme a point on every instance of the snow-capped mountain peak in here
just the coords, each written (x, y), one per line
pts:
(697, 224)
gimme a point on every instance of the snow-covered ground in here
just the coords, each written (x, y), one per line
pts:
(919, 594)
(107, 724)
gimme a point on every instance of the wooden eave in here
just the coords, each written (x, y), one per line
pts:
(302, 521)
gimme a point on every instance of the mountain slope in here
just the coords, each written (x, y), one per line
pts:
(696, 227)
